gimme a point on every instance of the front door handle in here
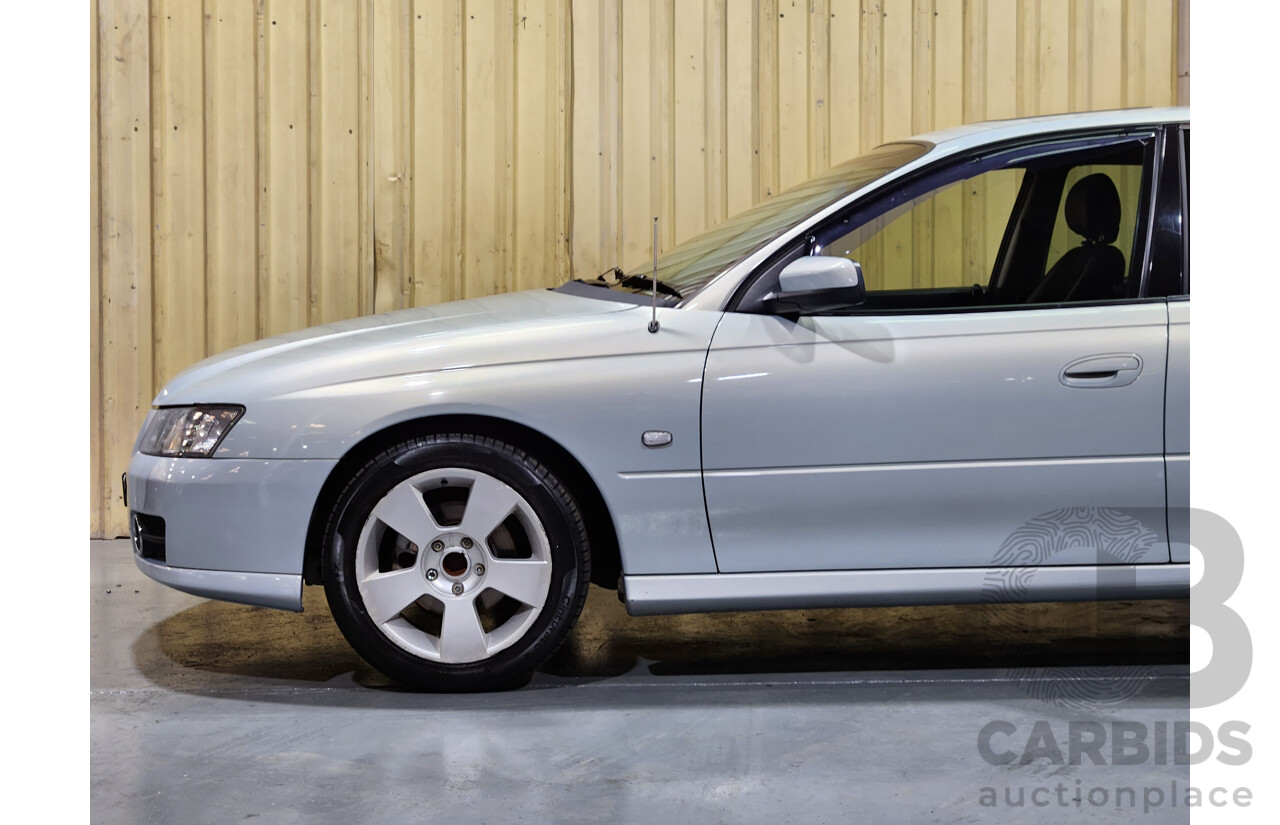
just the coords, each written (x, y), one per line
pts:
(1099, 371)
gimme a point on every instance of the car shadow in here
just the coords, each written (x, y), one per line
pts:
(266, 655)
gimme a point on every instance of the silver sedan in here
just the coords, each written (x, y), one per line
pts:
(952, 370)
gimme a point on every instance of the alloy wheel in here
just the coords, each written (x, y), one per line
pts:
(453, 565)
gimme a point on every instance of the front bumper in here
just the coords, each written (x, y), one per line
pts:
(235, 529)
(262, 589)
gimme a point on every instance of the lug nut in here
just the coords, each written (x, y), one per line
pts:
(457, 590)
(437, 545)
(466, 544)
(431, 574)
(479, 569)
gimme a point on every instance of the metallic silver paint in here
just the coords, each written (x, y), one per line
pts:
(1177, 430)
(656, 595)
(948, 514)
(277, 590)
(819, 272)
(247, 515)
(966, 409)
(583, 372)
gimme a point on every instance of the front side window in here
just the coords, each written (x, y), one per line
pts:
(946, 239)
(1043, 228)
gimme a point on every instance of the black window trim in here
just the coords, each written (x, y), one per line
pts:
(1153, 185)
(1167, 265)
(961, 166)
(1184, 197)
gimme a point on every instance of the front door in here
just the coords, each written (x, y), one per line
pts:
(998, 399)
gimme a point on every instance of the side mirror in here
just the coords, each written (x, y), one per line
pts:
(816, 284)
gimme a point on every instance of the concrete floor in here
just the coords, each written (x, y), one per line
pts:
(203, 711)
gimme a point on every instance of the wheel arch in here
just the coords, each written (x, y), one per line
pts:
(606, 558)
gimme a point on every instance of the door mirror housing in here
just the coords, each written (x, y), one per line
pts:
(816, 284)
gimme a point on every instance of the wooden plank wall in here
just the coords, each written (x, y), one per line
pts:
(265, 165)
(694, 111)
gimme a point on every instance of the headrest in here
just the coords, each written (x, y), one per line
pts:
(1093, 209)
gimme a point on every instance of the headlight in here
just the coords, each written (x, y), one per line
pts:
(188, 432)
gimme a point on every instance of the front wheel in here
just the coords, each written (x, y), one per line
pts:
(456, 562)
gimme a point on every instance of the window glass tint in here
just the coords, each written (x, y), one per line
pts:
(1128, 183)
(948, 238)
(1054, 229)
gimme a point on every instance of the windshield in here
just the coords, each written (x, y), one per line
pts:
(689, 266)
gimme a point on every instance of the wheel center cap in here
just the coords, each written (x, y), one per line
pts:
(455, 564)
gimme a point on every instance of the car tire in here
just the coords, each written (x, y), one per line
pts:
(455, 562)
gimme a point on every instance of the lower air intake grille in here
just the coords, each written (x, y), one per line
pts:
(148, 536)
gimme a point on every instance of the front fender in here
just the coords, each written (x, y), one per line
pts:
(596, 407)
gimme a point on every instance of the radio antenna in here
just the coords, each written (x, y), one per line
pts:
(653, 321)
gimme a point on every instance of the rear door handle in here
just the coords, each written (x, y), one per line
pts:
(1118, 369)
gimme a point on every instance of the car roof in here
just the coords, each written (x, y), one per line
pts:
(959, 138)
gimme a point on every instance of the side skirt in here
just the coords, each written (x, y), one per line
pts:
(715, 592)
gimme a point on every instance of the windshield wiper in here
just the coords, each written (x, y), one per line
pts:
(641, 282)
(631, 282)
